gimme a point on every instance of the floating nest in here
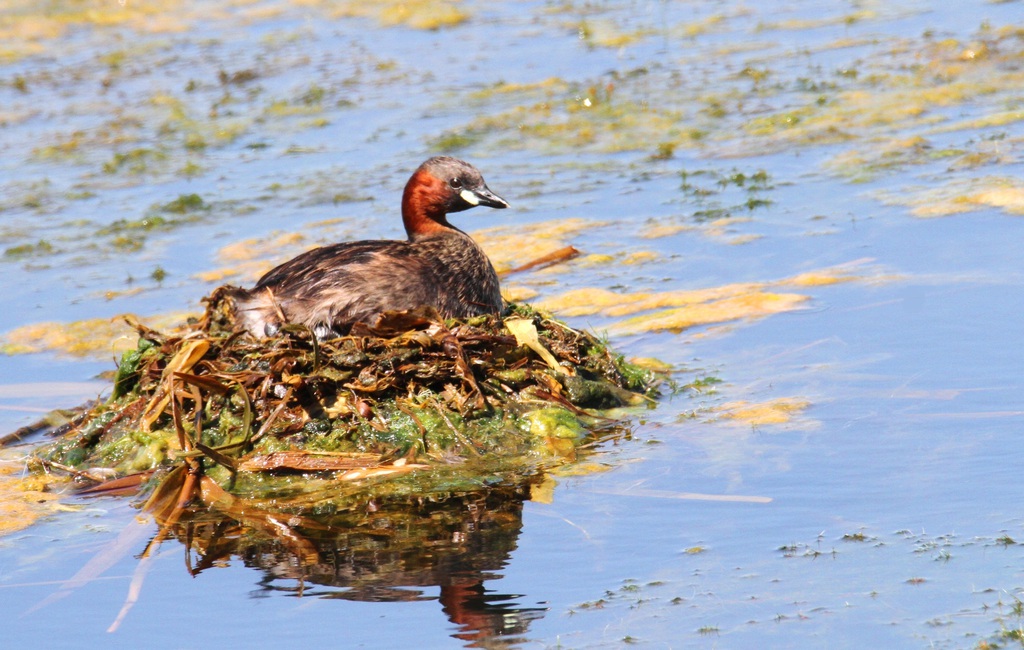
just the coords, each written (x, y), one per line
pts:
(340, 462)
(409, 405)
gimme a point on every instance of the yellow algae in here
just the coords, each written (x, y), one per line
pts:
(863, 164)
(583, 118)
(80, 338)
(285, 108)
(21, 35)
(1010, 199)
(509, 247)
(816, 23)
(986, 155)
(653, 364)
(847, 272)
(686, 298)
(24, 31)
(714, 330)
(858, 108)
(94, 337)
(505, 88)
(61, 147)
(772, 124)
(585, 301)
(757, 304)
(10, 117)
(777, 411)
(677, 310)
(324, 223)
(580, 469)
(418, 14)
(694, 29)
(605, 33)
(517, 293)
(721, 226)
(253, 257)
(961, 196)
(249, 249)
(822, 277)
(195, 132)
(898, 102)
(657, 231)
(904, 84)
(260, 13)
(640, 257)
(423, 15)
(122, 137)
(716, 228)
(603, 260)
(1001, 118)
(739, 240)
(944, 208)
(594, 259)
(842, 43)
(25, 499)
(243, 271)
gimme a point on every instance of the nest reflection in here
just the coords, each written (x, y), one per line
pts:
(394, 549)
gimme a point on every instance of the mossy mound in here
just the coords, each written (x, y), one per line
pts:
(428, 404)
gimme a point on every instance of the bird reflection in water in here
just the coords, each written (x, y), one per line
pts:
(388, 551)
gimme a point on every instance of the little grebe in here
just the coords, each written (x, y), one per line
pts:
(330, 288)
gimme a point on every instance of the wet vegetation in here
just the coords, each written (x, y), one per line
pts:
(129, 149)
(441, 406)
(377, 442)
(79, 241)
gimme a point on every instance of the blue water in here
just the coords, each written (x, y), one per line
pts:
(913, 372)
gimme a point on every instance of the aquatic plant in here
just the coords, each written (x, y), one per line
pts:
(444, 405)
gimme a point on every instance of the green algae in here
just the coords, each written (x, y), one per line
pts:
(891, 103)
(731, 109)
(457, 401)
(85, 237)
(41, 247)
(891, 89)
(128, 369)
(567, 115)
(134, 161)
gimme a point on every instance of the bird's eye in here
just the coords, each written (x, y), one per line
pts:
(455, 183)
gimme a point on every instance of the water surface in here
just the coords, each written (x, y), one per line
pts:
(887, 139)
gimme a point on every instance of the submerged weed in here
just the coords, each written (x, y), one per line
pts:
(184, 204)
(135, 161)
(39, 248)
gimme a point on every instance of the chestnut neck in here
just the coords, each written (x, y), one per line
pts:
(424, 206)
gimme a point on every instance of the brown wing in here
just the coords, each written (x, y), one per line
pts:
(335, 286)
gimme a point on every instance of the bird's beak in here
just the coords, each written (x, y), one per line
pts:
(483, 196)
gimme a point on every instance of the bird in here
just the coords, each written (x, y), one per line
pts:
(329, 289)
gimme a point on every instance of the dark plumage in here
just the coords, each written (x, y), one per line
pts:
(330, 288)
